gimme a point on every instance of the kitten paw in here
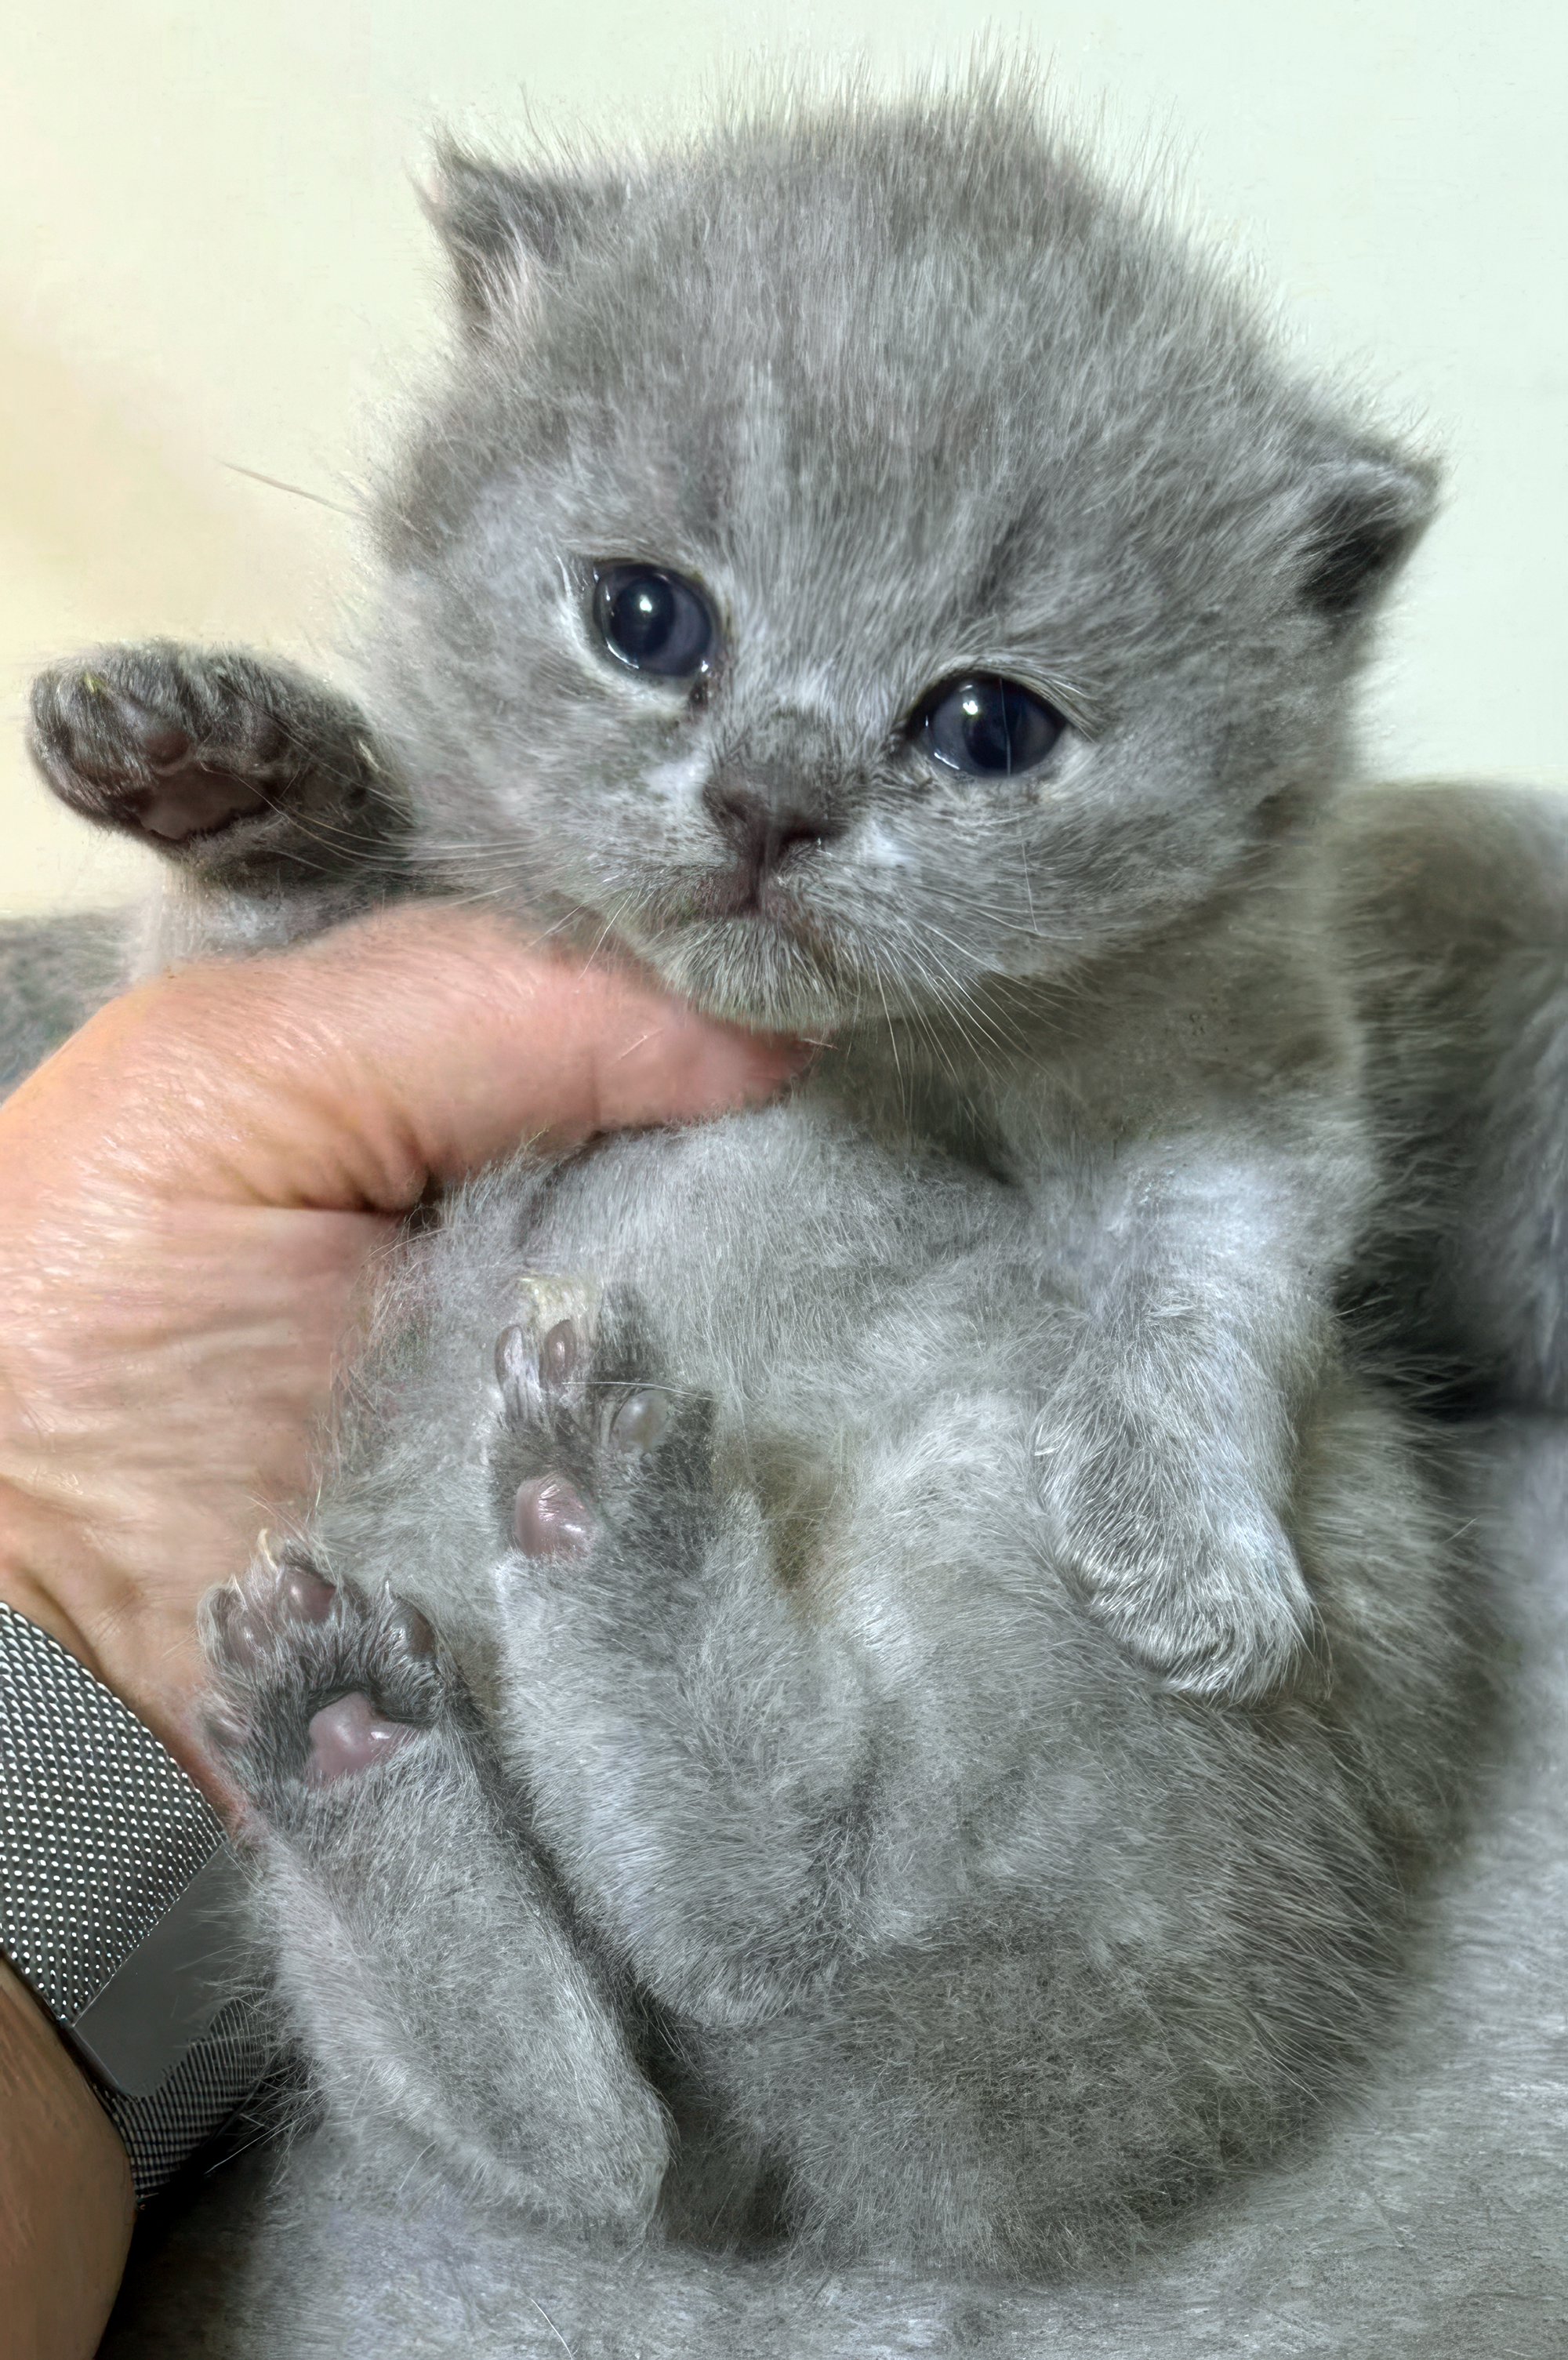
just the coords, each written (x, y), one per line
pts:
(593, 1435)
(312, 1683)
(207, 755)
(1193, 1578)
(418, 1946)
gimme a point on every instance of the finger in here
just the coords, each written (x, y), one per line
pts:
(417, 1045)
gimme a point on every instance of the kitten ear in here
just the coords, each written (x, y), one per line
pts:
(1365, 514)
(499, 226)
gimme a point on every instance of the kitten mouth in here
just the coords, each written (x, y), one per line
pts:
(749, 892)
(745, 948)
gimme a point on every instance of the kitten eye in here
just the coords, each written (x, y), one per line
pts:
(987, 727)
(654, 621)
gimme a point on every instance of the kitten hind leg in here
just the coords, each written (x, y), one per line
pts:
(450, 2015)
(696, 1743)
(243, 772)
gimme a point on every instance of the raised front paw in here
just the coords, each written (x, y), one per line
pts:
(313, 1684)
(212, 755)
(600, 1450)
(1184, 1562)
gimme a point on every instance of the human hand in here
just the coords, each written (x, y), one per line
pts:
(195, 1183)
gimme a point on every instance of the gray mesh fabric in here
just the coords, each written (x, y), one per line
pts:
(101, 1831)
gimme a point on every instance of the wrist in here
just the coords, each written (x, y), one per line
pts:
(139, 1645)
(121, 1906)
(30, 1540)
(66, 2202)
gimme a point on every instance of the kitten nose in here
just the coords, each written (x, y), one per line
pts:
(763, 823)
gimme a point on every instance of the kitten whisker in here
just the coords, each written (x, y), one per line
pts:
(277, 484)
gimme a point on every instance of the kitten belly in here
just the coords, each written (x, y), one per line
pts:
(767, 1246)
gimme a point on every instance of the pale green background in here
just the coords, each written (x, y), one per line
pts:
(212, 257)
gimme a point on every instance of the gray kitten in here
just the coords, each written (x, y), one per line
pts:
(877, 1672)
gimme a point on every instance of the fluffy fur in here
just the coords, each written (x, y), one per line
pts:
(960, 1794)
(1424, 2221)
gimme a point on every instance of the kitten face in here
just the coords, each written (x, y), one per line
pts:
(902, 447)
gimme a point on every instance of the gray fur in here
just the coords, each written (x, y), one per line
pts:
(946, 1931)
(1425, 2223)
(969, 1798)
(53, 973)
(1453, 914)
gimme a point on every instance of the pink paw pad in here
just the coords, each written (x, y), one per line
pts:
(253, 1616)
(348, 1735)
(641, 1422)
(550, 1519)
(557, 1356)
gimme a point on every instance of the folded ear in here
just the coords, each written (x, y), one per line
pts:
(1365, 514)
(500, 226)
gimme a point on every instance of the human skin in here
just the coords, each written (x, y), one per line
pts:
(195, 1186)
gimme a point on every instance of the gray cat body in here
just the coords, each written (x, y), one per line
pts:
(1423, 2221)
(881, 1673)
